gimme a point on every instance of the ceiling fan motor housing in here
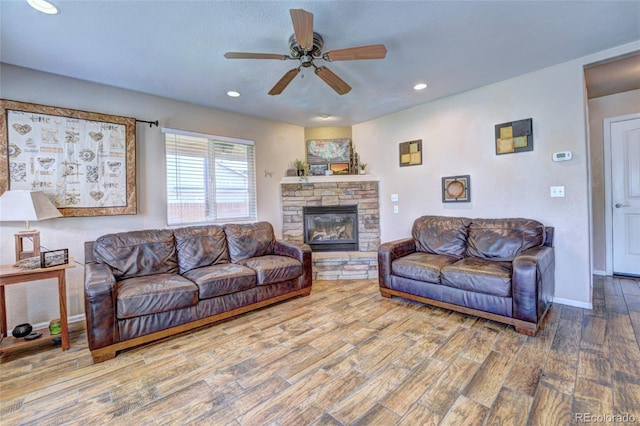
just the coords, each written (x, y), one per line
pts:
(297, 51)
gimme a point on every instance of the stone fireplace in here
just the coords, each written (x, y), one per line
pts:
(358, 261)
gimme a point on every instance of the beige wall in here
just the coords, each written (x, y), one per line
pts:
(336, 132)
(458, 139)
(276, 145)
(599, 109)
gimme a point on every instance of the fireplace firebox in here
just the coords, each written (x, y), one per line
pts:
(331, 228)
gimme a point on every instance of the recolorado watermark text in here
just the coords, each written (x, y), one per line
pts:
(604, 418)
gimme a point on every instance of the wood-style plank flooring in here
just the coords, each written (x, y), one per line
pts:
(344, 356)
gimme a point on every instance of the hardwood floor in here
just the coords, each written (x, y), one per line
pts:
(345, 355)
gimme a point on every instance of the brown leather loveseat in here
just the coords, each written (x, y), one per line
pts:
(142, 286)
(498, 269)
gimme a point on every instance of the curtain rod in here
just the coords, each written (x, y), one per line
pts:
(150, 123)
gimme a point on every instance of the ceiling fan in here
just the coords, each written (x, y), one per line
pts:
(305, 46)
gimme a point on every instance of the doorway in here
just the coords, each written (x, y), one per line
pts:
(622, 194)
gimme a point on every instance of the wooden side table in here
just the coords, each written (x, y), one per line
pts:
(9, 274)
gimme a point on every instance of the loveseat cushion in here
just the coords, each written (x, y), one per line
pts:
(479, 276)
(151, 294)
(220, 279)
(421, 266)
(503, 239)
(441, 235)
(199, 246)
(273, 269)
(249, 240)
(137, 253)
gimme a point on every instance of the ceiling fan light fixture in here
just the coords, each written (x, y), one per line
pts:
(43, 6)
(233, 94)
(420, 86)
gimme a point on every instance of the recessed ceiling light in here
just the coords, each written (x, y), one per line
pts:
(43, 6)
(233, 93)
(325, 116)
(420, 86)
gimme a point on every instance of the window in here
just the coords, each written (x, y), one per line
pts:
(209, 178)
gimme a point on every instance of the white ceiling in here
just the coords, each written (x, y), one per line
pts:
(175, 48)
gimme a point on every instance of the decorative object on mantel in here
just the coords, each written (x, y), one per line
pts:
(515, 136)
(19, 205)
(300, 167)
(339, 168)
(84, 161)
(318, 169)
(411, 153)
(456, 189)
(363, 168)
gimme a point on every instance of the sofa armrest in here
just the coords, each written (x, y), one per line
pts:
(301, 252)
(387, 253)
(533, 283)
(100, 303)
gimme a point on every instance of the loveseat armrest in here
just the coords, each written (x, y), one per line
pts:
(388, 252)
(301, 252)
(100, 303)
(533, 283)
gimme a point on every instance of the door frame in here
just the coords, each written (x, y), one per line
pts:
(608, 180)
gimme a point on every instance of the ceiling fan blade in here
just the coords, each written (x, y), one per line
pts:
(303, 27)
(333, 80)
(374, 51)
(284, 81)
(246, 55)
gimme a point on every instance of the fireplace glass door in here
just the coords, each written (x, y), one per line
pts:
(331, 228)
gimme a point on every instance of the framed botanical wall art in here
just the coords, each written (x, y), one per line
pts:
(515, 136)
(84, 161)
(411, 153)
(456, 189)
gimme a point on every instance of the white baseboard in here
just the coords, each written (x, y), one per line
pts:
(570, 302)
(597, 272)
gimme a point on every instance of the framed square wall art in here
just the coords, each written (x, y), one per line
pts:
(411, 153)
(456, 189)
(515, 136)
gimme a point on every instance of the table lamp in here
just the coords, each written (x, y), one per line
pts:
(19, 205)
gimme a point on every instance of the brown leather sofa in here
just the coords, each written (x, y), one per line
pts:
(142, 286)
(498, 269)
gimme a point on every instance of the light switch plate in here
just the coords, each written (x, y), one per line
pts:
(557, 191)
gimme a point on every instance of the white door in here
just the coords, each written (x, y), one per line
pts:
(625, 196)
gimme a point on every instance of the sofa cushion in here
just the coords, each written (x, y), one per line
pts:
(273, 269)
(151, 294)
(137, 253)
(479, 275)
(503, 239)
(249, 240)
(441, 235)
(223, 278)
(199, 246)
(421, 266)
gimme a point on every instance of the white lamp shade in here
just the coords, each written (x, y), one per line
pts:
(23, 205)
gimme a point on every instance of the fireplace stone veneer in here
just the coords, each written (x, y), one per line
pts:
(360, 190)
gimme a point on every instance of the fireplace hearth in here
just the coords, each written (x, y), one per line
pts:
(331, 228)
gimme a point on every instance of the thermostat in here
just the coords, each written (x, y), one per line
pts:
(562, 156)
